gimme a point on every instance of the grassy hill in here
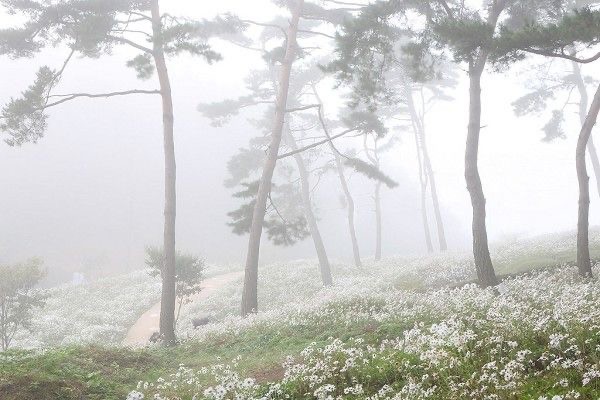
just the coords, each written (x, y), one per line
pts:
(403, 328)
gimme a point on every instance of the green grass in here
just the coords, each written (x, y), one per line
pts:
(106, 373)
(94, 372)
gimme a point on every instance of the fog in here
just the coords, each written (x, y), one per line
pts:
(89, 195)
(299, 199)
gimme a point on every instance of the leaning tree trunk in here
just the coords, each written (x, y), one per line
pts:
(434, 197)
(424, 217)
(378, 221)
(422, 176)
(374, 159)
(426, 173)
(167, 304)
(349, 203)
(583, 109)
(315, 234)
(342, 176)
(583, 249)
(250, 291)
(481, 252)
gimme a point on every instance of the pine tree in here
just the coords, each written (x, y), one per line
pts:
(91, 29)
(562, 37)
(367, 48)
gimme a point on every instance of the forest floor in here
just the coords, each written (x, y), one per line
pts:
(394, 330)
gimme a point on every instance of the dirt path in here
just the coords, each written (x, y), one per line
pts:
(147, 324)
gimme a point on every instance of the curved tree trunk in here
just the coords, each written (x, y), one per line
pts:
(583, 249)
(424, 217)
(434, 197)
(342, 176)
(324, 266)
(167, 304)
(377, 221)
(422, 176)
(374, 159)
(350, 204)
(483, 262)
(583, 109)
(426, 174)
(591, 148)
(250, 291)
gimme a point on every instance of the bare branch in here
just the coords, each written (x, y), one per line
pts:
(316, 144)
(143, 16)
(131, 43)
(72, 96)
(131, 21)
(302, 108)
(564, 55)
(345, 3)
(133, 31)
(317, 33)
(447, 8)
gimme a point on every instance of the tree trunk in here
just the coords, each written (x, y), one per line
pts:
(374, 159)
(315, 234)
(424, 217)
(434, 197)
(583, 109)
(481, 252)
(583, 249)
(167, 305)
(426, 172)
(349, 204)
(250, 291)
(349, 200)
(422, 176)
(377, 221)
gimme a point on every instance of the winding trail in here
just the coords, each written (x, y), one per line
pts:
(148, 323)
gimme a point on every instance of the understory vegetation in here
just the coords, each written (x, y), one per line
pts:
(396, 329)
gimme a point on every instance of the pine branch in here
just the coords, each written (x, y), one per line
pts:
(266, 25)
(371, 172)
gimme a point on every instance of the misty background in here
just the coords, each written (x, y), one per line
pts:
(89, 196)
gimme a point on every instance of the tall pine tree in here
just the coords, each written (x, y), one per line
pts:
(92, 29)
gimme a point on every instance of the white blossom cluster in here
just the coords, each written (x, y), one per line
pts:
(98, 312)
(544, 326)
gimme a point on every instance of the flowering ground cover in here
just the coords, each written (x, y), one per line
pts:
(398, 329)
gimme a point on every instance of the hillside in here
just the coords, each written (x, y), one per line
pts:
(403, 328)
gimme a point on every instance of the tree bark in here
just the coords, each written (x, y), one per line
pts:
(350, 204)
(377, 221)
(434, 197)
(324, 266)
(167, 305)
(374, 159)
(424, 216)
(483, 262)
(583, 249)
(583, 109)
(250, 291)
(423, 173)
(342, 176)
